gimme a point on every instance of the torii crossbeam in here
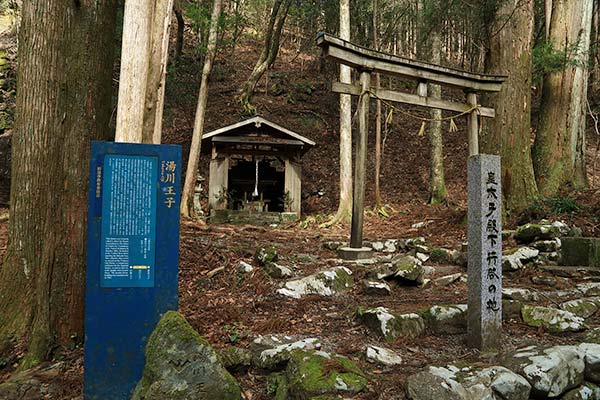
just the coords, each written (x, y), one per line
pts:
(366, 61)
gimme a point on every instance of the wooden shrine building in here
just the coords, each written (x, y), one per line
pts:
(255, 171)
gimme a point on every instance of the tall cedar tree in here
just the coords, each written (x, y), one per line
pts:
(509, 134)
(63, 101)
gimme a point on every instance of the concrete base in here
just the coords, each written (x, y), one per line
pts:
(352, 254)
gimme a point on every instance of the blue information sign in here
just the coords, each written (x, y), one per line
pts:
(132, 260)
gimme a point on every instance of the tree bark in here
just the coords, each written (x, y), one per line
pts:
(378, 199)
(559, 149)
(180, 28)
(133, 78)
(268, 54)
(437, 183)
(155, 90)
(63, 100)
(187, 204)
(344, 212)
(509, 134)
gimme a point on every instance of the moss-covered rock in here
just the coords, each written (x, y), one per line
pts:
(529, 233)
(392, 326)
(277, 386)
(448, 319)
(329, 282)
(587, 391)
(266, 255)
(593, 336)
(181, 365)
(552, 319)
(408, 269)
(235, 358)
(314, 374)
(583, 308)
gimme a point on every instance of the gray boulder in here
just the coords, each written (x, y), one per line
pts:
(451, 319)
(587, 391)
(383, 356)
(377, 288)
(516, 260)
(272, 352)
(552, 319)
(591, 353)
(551, 371)
(180, 364)
(533, 232)
(392, 326)
(408, 269)
(325, 283)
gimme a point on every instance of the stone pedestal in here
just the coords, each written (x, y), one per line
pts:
(484, 252)
(580, 252)
(353, 254)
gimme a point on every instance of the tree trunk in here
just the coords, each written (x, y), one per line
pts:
(180, 28)
(187, 204)
(63, 100)
(437, 184)
(559, 149)
(378, 200)
(344, 212)
(133, 78)
(159, 52)
(268, 54)
(509, 134)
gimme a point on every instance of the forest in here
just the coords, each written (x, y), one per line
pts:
(329, 242)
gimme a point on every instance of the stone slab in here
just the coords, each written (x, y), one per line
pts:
(353, 254)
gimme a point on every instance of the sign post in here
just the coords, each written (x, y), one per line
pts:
(132, 260)
(485, 252)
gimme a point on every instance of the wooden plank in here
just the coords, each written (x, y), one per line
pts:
(360, 169)
(362, 58)
(408, 98)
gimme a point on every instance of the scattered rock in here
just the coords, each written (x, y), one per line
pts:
(272, 352)
(40, 382)
(562, 227)
(533, 232)
(583, 308)
(547, 246)
(245, 267)
(376, 288)
(551, 372)
(377, 246)
(235, 359)
(408, 269)
(516, 260)
(265, 255)
(552, 319)
(544, 280)
(591, 353)
(587, 391)
(444, 256)
(449, 319)
(589, 288)
(390, 246)
(334, 245)
(520, 294)
(511, 309)
(312, 374)
(593, 336)
(448, 279)
(325, 283)
(392, 326)
(173, 344)
(421, 256)
(277, 271)
(381, 271)
(427, 386)
(383, 356)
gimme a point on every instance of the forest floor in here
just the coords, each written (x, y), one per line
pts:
(297, 96)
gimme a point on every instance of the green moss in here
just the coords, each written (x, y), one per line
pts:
(277, 386)
(311, 374)
(342, 281)
(266, 255)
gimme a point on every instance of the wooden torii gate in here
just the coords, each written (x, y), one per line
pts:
(484, 186)
(366, 61)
